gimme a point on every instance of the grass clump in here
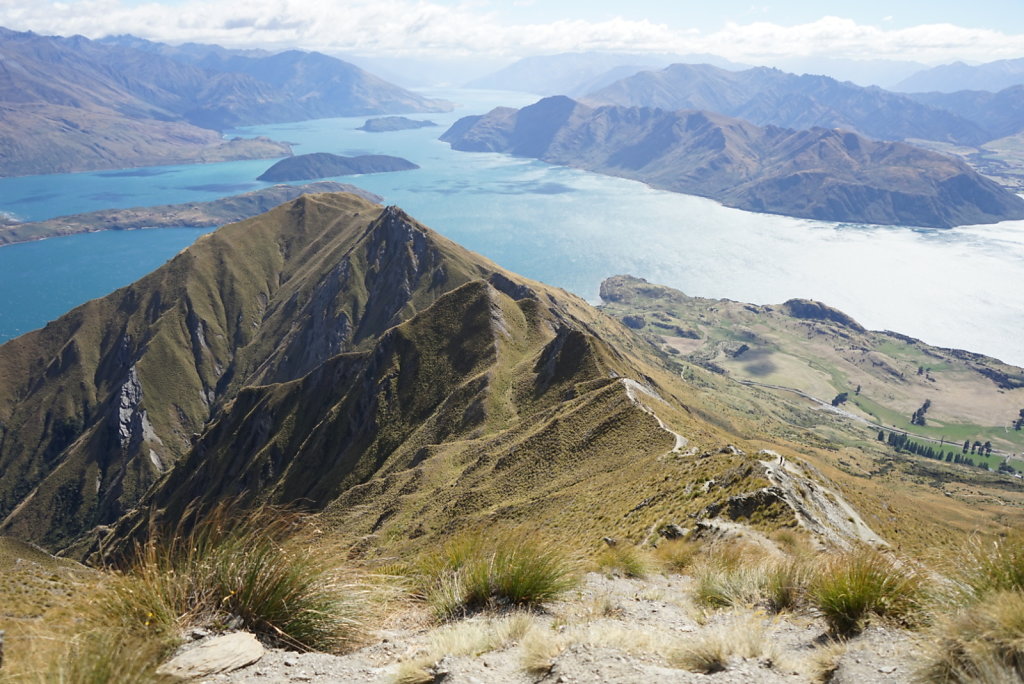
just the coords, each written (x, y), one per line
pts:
(711, 650)
(849, 588)
(985, 643)
(742, 576)
(677, 555)
(232, 571)
(624, 560)
(994, 566)
(475, 572)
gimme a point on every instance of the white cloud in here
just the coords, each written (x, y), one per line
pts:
(422, 27)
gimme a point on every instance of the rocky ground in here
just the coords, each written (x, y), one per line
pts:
(612, 629)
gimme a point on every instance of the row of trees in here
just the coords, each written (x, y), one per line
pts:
(904, 444)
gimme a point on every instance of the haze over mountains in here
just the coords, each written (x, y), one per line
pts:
(769, 96)
(820, 173)
(71, 104)
(949, 78)
(579, 73)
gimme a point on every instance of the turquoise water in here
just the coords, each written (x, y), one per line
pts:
(957, 288)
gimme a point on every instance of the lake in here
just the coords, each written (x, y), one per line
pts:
(956, 288)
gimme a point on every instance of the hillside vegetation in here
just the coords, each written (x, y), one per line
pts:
(331, 427)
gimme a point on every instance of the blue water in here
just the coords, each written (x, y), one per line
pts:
(956, 288)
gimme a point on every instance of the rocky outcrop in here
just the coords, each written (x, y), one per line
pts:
(810, 309)
(796, 495)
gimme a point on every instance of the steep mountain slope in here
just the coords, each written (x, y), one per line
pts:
(768, 96)
(950, 78)
(71, 104)
(268, 351)
(824, 174)
(337, 355)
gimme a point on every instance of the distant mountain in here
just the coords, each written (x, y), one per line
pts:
(818, 173)
(73, 104)
(883, 73)
(578, 73)
(1000, 114)
(191, 214)
(950, 78)
(303, 85)
(327, 165)
(769, 96)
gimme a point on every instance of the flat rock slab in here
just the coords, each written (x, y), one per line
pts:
(217, 655)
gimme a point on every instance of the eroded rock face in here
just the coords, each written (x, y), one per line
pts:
(794, 493)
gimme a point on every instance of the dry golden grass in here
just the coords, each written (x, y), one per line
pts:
(710, 650)
(982, 644)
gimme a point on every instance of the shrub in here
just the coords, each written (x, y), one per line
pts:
(235, 571)
(474, 572)
(985, 643)
(851, 587)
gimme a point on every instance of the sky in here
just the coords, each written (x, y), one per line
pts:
(932, 32)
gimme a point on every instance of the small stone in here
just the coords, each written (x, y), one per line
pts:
(887, 669)
(288, 662)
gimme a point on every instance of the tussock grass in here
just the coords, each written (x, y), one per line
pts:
(624, 560)
(711, 650)
(101, 656)
(541, 646)
(742, 576)
(991, 566)
(852, 587)
(474, 572)
(984, 643)
(236, 571)
(677, 555)
(472, 637)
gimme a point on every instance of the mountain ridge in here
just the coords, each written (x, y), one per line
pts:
(73, 104)
(821, 173)
(766, 96)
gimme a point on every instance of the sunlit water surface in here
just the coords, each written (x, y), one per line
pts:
(958, 288)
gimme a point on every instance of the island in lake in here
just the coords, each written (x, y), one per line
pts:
(386, 124)
(326, 165)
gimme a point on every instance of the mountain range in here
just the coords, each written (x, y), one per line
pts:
(578, 73)
(766, 96)
(950, 78)
(73, 104)
(820, 173)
